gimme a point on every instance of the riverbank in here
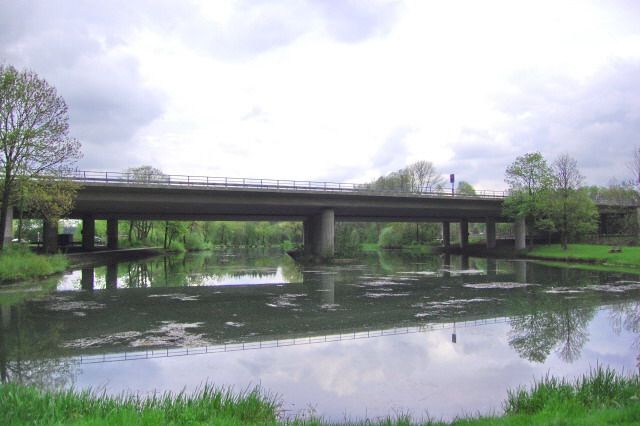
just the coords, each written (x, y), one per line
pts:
(20, 263)
(590, 256)
(600, 397)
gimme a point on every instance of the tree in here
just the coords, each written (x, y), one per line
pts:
(568, 206)
(424, 177)
(465, 188)
(529, 178)
(34, 140)
(143, 174)
(634, 167)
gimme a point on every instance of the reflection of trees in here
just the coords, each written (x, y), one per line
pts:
(195, 269)
(139, 275)
(627, 316)
(27, 360)
(534, 336)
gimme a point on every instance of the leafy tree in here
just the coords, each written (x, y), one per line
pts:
(34, 141)
(529, 179)
(465, 188)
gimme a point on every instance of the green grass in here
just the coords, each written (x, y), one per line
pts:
(20, 264)
(27, 405)
(601, 397)
(629, 257)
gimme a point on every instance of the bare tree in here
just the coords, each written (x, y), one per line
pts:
(143, 174)
(423, 176)
(634, 167)
(34, 141)
(566, 175)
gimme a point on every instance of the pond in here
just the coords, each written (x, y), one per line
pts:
(388, 333)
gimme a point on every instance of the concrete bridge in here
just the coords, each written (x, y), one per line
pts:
(120, 196)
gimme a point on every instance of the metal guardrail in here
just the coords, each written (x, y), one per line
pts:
(266, 184)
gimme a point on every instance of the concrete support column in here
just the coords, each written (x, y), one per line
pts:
(464, 233)
(446, 234)
(112, 234)
(112, 276)
(8, 230)
(50, 236)
(520, 231)
(490, 232)
(323, 234)
(88, 233)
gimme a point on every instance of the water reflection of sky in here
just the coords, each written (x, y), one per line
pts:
(422, 373)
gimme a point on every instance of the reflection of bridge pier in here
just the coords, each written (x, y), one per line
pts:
(492, 268)
(464, 262)
(328, 288)
(521, 271)
(112, 276)
(87, 279)
(446, 265)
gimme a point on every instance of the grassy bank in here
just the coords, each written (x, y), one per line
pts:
(628, 258)
(18, 263)
(600, 397)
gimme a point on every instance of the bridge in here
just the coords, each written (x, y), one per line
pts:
(113, 196)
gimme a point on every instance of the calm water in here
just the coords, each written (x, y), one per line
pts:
(386, 334)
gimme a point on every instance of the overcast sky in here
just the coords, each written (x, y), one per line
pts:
(338, 90)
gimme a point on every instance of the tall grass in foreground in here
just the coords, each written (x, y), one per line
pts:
(600, 397)
(27, 405)
(601, 387)
(19, 263)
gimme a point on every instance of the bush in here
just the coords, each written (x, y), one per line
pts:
(19, 263)
(390, 238)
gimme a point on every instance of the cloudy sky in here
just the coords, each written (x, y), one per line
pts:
(341, 90)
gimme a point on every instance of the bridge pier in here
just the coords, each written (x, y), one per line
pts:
(319, 234)
(520, 230)
(50, 236)
(88, 233)
(490, 232)
(112, 234)
(464, 233)
(446, 234)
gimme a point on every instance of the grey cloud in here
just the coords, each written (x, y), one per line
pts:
(356, 20)
(255, 27)
(70, 45)
(597, 122)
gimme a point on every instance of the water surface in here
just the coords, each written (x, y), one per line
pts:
(388, 333)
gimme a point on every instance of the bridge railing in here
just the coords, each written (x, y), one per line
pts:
(266, 184)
